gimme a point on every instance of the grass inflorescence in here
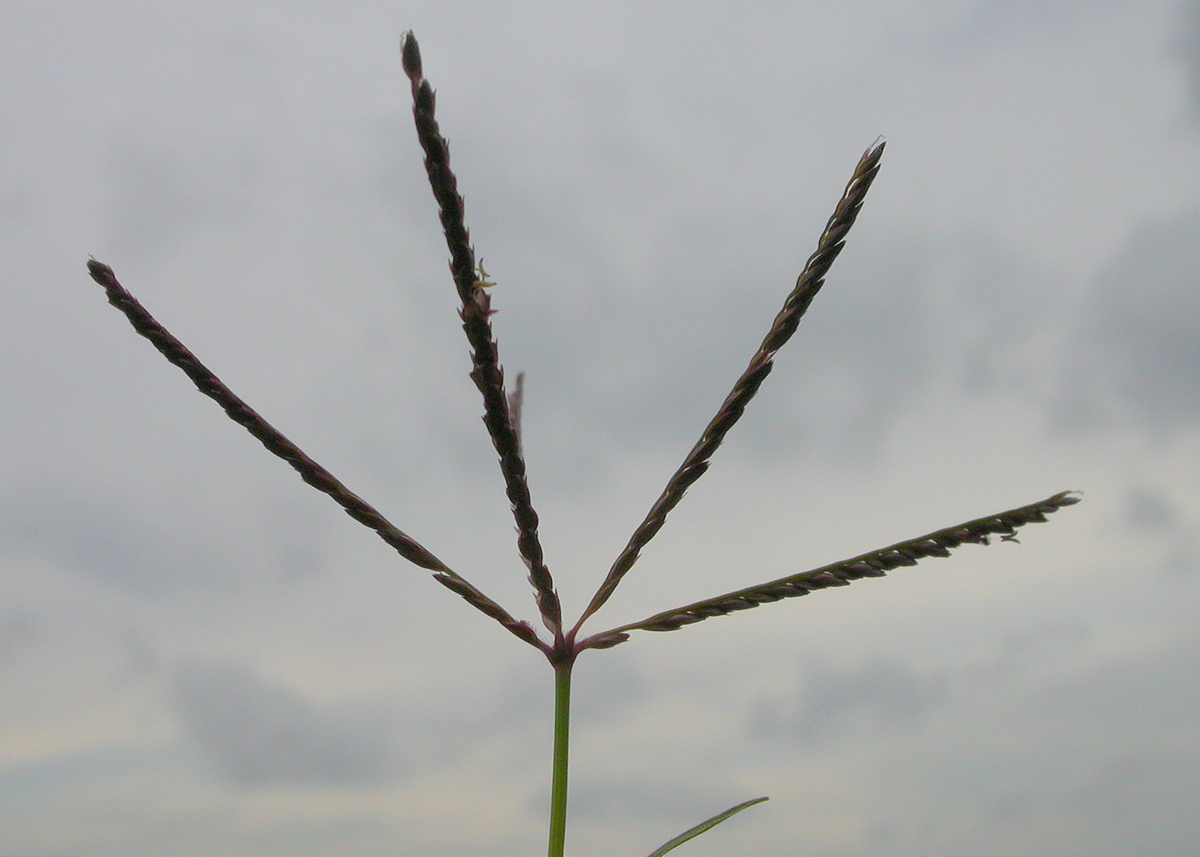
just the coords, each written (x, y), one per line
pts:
(502, 417)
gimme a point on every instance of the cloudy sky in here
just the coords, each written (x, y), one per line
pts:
(200, 655)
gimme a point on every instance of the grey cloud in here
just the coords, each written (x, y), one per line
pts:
(1186, 47)
(1017, 651)
(1107, 803)
(1088, 756)
(1137, 346)
(1021, 17)
(882, 692)
(155, 550)
(634, 173)
(299, 537)
(1152, 511)
(1149, 508)
(1155, 790)
(877, 692)
(1104, 763)
(98, 535)
(17, 629)
(17, 208)
(1148, 316)
(160, 195)
(262, 733)
(607, 687)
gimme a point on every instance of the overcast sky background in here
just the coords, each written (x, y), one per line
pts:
(200, 655)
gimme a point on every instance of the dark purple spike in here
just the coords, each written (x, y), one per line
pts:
(795, 305)
(841, 573)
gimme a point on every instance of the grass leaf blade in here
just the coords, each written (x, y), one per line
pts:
(704, 826)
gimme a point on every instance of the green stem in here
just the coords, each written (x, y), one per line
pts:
(558, 785)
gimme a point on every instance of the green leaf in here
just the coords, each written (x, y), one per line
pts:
(703, 826)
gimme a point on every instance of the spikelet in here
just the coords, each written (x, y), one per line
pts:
(471, 281)
(274, 440)
(807, 285)
(873, 564)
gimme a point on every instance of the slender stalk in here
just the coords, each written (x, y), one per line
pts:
(558, 785)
